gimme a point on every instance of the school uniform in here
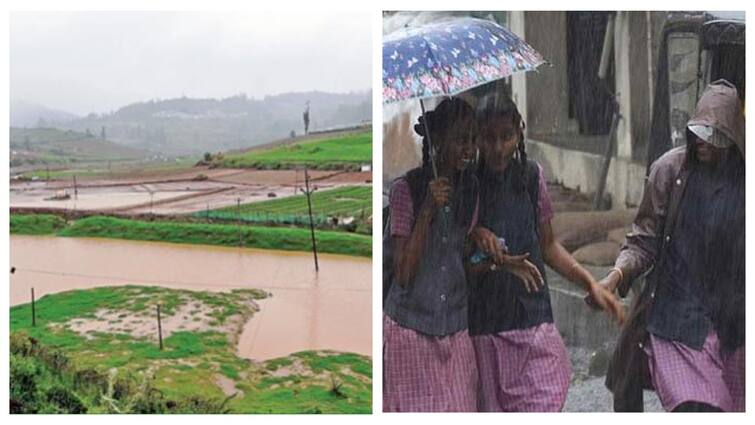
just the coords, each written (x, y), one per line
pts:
(684, 335)
(521, 357)
(428, 358)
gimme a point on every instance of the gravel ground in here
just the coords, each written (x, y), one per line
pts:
(589, 394)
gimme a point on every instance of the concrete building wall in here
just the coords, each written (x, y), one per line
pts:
(546, 92)
(548, 88)
(580, 170)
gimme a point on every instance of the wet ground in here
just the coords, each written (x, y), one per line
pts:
(331, 309)
(589, 394)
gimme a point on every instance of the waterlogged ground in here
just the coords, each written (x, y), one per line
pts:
(330, 309)
(115, 329)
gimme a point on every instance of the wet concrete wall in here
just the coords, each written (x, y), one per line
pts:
(547, 89)
(580, 170)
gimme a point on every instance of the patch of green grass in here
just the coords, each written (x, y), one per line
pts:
(35, 224)
(335, 153)
(278, 363)
(350, 201)
(318, 362)
(229, 371)
(280, 238)
(304, 399)
(261, 237)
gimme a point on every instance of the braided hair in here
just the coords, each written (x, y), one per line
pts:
(451, 116)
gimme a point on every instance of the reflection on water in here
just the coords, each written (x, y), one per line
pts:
(329, 310)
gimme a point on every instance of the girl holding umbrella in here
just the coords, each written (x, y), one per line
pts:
(429, 362)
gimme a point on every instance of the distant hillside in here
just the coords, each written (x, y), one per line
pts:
(194, 126)
(54, 146)
(25, 114)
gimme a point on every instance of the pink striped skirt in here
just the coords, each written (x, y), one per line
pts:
(682, 374)
(523, 370)
(423, 373)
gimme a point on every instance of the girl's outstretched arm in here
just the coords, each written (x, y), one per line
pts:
(559, 259)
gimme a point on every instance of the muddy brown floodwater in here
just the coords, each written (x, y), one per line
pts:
(328, 310)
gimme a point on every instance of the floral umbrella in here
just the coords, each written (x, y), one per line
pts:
(447, 57)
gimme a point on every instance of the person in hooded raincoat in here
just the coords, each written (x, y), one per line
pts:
(684, 336)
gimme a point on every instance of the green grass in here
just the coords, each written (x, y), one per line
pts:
(35, 224)
(287, 239)
(349, 201)
(279, 238)
(336, 153)
(186, 369)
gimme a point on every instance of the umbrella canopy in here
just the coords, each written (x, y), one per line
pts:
(450, 56)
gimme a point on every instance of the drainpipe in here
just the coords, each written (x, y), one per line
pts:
(605, 59)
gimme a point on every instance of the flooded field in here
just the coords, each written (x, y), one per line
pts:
(175, 194)
(328, 310)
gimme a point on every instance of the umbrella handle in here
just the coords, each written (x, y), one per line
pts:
(431, 149)
(446, 209)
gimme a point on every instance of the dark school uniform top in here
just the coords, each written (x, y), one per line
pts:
(701, 283)
(435, 301)
(498, 300)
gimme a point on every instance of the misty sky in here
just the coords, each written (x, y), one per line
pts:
(85, 62)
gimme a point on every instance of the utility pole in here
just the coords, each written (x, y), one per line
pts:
(75, 189)
(159, 328)
(33, 312)
(309, 192)
(238, 213)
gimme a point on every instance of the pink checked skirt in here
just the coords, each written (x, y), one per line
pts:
(423, 373)
(523, 370)
(681, 374)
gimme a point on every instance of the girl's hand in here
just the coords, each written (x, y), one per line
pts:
(440, 190)
(610, 282)
(603, 298)
(487, 242)
(521, 267)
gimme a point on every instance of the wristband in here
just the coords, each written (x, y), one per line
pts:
(621, 274)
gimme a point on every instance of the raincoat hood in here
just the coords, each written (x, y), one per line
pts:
(719, 107)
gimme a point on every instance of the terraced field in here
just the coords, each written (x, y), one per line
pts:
(341, 202)
(345, 152)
